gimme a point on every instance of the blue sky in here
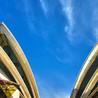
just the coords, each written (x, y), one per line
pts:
(56, 36)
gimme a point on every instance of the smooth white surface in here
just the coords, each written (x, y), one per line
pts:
(15, 94)
(2, 77)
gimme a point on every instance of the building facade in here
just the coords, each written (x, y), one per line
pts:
(15, 71)
(86, 85)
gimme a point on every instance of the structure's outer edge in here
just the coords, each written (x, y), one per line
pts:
(84, 69)
(12, 69)
(22, 59)
(90, 84)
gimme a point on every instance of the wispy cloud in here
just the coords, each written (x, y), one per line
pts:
(96, 33)
(30, 16)
(62, 95)
(44, 6)
(68, 13)
(46, 90)
(95, 22)
(62, 53)
(49, 94)
(78, 26)
(49, 88)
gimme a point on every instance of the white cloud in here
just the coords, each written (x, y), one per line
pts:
(68, 13)
(44, 6)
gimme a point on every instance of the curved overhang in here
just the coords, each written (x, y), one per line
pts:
(12, 69)
(92, 82)
(84, 71)
(21, 58)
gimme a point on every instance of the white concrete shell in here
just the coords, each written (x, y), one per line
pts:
(12, 69)
(22, 60)
(87, 64)
(90, 84)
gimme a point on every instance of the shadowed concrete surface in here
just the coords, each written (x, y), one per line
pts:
(93, 94)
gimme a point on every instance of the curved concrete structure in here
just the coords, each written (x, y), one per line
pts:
(87, 78)
(12, 69)
(90, 85)
(16, 63)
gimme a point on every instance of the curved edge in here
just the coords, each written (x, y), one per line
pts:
(22, 59)
(12, 69)
(90, 84)
(84, 69)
